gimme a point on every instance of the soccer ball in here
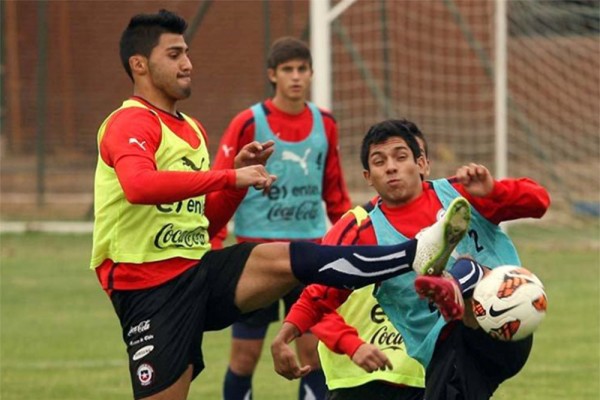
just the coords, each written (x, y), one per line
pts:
(509, 303)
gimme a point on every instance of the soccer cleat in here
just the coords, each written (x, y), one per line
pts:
(444, 292)
(436, 243)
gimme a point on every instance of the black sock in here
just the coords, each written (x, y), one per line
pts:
(467, 273)
(312, 386)
(236, 387)
(350, 266)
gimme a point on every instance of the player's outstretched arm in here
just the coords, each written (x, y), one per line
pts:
(284, 358)
(501, 200)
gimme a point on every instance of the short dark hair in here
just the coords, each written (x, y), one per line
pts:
(382, 131)
(288, 48)
(143, 33)
(414, 129)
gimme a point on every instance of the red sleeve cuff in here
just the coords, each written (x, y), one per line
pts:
(498, 191)
(348, 344)
(302, 326)
(230, 175)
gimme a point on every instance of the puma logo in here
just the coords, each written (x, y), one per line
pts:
(226, 149)
(291, 156)
(135, 141)
(189, 163)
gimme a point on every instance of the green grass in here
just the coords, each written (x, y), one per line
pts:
(61, 340)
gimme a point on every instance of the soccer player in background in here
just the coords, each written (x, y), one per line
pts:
(307, 164)
(460, 360)
(156, 204)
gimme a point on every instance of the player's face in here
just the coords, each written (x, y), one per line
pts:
(292, 79)
(393, 172)
(170, 68)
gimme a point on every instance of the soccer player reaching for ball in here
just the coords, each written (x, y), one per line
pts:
(458, 360)
(307, 164)
(347, 381)
(154, 196)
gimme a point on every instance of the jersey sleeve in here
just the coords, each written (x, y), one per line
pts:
(220, 207)
(337, 335)
(217, 241)
(130, 149)
(510, 199)
(313, 303)
(122, 138)
(353, 228)
(239, 133)
(335, 192)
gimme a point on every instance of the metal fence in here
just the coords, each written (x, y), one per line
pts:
(429, 61)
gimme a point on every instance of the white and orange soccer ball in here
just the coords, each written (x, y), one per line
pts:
(509, 303)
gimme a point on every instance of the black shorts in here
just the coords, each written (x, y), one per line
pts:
(163, 326)
(376, 390)
(470, 365)
(261, 318)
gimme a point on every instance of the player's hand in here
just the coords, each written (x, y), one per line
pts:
(254, 153)
(476, 179)
(284, 358)
(255, 176)
(370, 358)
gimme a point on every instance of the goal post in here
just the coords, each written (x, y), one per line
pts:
(500, 100)
(513, 85)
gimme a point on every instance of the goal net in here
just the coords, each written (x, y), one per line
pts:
(432, 62)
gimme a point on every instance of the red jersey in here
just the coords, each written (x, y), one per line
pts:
(290, 128)
(510, 199)
(129, 145)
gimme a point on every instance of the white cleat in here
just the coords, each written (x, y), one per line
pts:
(436, 243)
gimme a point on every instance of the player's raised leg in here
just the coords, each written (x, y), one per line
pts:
(273, 269)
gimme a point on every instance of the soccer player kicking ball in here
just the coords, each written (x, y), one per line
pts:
(458, 360)
(154, 196)
(358, 376)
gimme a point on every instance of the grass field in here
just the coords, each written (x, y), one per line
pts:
(60, 339)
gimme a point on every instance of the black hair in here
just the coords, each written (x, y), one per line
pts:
(414, 129)
(382, 131)
(143, 33)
